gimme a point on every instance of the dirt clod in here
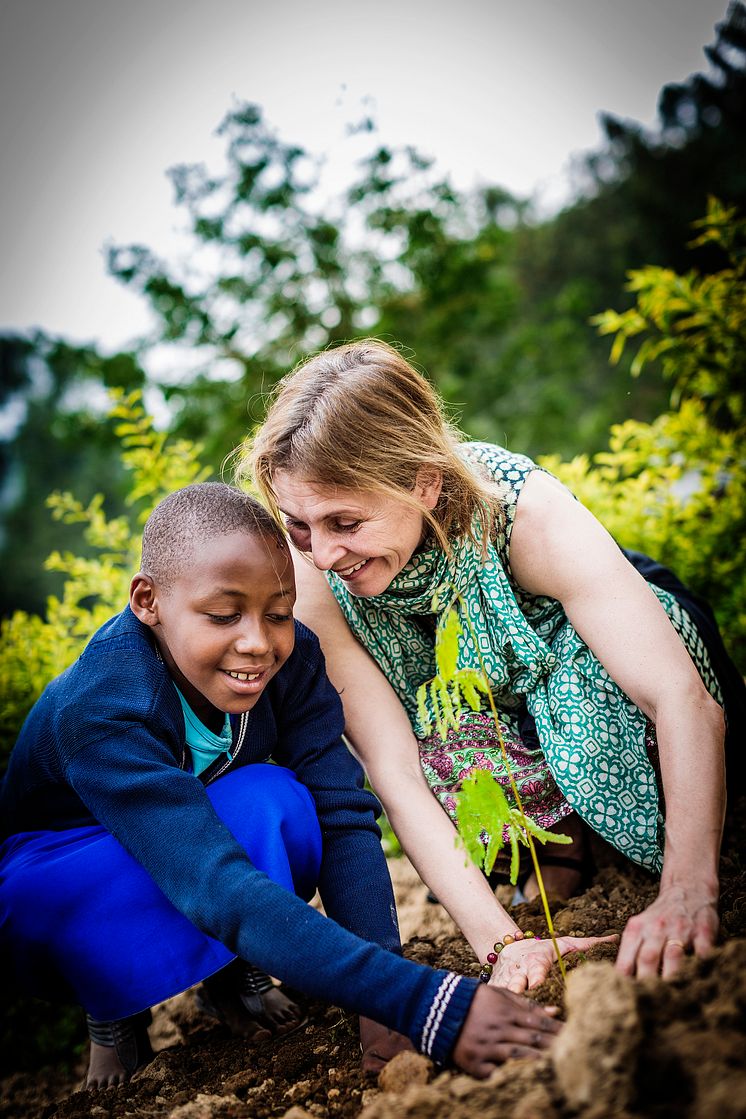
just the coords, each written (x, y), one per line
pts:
(596, 1053)
(405, 1070)
(207, 1107)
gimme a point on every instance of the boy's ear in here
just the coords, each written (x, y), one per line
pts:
(143, 599)
(428, 486)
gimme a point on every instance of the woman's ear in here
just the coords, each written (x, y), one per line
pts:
(143, 600)
(428, 486)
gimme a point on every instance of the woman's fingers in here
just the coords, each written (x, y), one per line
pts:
(526, 963)
(673, 954)
(517, 982)
(626, 960)
(583, 943)
(655, 941)
(706, 925)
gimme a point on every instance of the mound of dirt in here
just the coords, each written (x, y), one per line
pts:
(672, 1050)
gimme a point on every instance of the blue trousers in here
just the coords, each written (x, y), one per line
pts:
(81, 919)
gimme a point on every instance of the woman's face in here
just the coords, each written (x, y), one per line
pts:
(365, 538)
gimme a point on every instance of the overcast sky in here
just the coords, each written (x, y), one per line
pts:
(99, 97)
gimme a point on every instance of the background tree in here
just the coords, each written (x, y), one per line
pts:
(494, 304)
(54, 398)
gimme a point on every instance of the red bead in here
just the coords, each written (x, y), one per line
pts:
(491, 958)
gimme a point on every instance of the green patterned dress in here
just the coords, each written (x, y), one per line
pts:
(576, 741)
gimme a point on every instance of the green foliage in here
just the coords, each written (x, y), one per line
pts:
(451, 686)
(57, 397)
(676, 488)
(491, 300)
(35, 649)
(695, 326)
(486, 821)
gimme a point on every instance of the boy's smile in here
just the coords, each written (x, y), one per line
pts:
(225, 627)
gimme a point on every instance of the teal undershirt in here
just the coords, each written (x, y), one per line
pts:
(204, 746)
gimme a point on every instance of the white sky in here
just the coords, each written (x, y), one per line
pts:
(99, 97)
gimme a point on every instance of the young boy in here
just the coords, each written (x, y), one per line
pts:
(179, 790)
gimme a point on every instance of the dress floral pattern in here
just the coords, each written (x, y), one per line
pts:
(446, 764)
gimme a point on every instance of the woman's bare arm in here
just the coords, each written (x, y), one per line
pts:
(379, 730)
(559, 549)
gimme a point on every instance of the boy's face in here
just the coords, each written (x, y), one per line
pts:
(225, 627)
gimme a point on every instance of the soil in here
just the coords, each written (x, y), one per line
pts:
(654, 1049)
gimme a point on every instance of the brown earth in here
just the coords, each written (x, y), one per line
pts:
(649, 1049)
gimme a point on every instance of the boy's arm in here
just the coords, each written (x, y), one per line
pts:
(354, 882)
(162, 815)
(126, 774)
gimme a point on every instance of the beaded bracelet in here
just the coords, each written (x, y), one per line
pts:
(486, 969)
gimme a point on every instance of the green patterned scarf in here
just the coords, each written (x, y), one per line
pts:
(592, 735)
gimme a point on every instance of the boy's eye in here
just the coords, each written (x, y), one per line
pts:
(222, 619)
(280, 617)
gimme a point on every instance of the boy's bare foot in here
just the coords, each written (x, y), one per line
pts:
(564, 873)
(104, 1067)
(248, 1003)
(118, 1049)
(282, 1012)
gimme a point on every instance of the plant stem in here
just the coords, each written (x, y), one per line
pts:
(514, 789)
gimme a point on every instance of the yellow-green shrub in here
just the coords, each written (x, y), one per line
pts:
(676, 488)
(33, 650)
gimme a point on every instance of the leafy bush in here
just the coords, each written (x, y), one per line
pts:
(33, 650)
(676, 488)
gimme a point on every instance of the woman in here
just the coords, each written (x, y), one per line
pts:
(597, 689)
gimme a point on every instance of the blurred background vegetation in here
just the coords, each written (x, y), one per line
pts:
(494, 304)
(512, 317)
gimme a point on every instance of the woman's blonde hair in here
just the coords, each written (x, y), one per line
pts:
(360, 417)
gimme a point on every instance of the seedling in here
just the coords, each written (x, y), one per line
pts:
(485, 818)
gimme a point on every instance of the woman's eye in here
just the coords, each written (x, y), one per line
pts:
(296, 530)
(348, 526)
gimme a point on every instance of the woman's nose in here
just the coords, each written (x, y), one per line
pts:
(324, 551)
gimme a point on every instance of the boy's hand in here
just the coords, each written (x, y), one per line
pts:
(501, 1025)
(379, 1044)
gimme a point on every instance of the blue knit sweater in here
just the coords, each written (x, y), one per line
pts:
(105, 742)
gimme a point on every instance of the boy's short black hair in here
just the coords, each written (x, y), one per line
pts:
(190, 517)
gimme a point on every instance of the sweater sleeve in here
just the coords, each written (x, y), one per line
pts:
(354, 881)
(127, 776)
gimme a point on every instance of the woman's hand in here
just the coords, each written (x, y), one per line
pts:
(501, 1025)
(682, 918)
(526, 963)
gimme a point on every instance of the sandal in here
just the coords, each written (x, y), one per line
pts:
(129, 1039)
(584, 865)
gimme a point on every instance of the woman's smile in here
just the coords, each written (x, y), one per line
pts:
(349, 573)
